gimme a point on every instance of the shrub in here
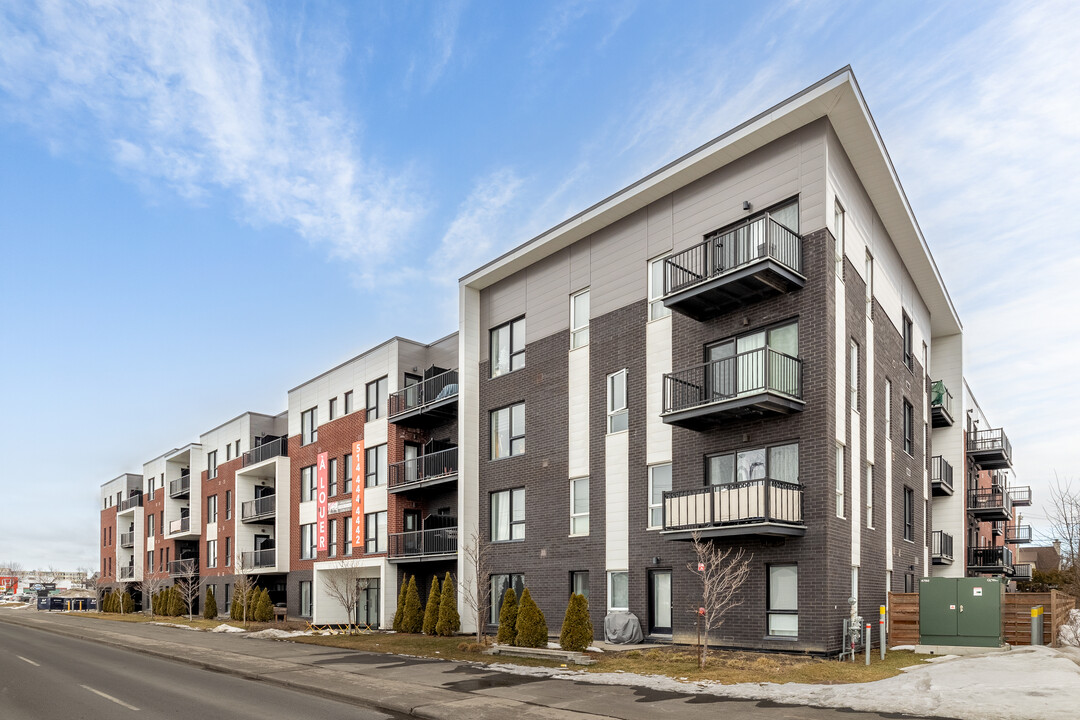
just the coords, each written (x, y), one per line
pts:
(449, 620)
(431, 611)
(531, 626)
(400, 612)
(210, 606)
(264, 609)
(128, 605)
(412, 619)
(176, 603)
(577, 631)
(508, 618)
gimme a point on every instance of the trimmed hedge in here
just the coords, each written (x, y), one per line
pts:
(531, 625)
(449, 620)
(400, 612)
(431, 611)
(412, 619)
(210, 607)
(577, 630)
(508, 618)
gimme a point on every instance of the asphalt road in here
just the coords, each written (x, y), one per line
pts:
(44, 676)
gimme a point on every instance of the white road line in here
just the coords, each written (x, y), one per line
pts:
(110, 697)
(28, 661)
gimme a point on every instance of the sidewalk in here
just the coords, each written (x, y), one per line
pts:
(419, 687)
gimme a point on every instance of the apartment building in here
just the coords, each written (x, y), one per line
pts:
(121, 503)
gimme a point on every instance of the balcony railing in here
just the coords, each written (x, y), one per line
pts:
(990, 504)
(132, 501)
(127, 573)
(254, 559)
(179, 526)
(1020, 496)
(180, 487)
(941, 475)
(127, 539)
(183, 567)
(751, 382)
(429, 401)
(1021, 571)
(259, 509)
(424, 543)
(426, 469)
(990, 449)
(267, 450)
(737, 508)
(941, 547)
(1015, 534)
(990, 558)
(940, 405)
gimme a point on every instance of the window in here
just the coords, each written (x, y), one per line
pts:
(211, 464)
(348, 402)
(508, 515)
(375, 532)
(376, 399)
(870, 496)
(348, 535)
(211, 509)
(579, 506)
(331, 478)
(508, 431)
(839, 481)
(348, 474)
(150, 526)
(508, 347)
(909, 429)
(211, 553)
(307, 541)
(779, 462)
(307, 483)
(375, 466)
(333, 408)
(657, 309)
(888, 409)
(309, 426)
(869, 285)
(228, 594)
(853, 376)
(659, 483)
(579, 583)
(161, 522)
(617, 418)
(237, 452)
(331, 543)
(783, 594)
(499, 585)
(150, 561)
(909, 514)
(579, 319)
(838, 235)
(855, 583)
(228, 552)
(228, 504)
(909, 353)
(228, 452)
(618, 590)
(305, 598)
(909, 582)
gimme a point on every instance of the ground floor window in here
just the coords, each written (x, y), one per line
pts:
(228, 595)
(619, 590)
(579, 583)
(499, 584)
(783, 600)
(305, 598)
(367, 609)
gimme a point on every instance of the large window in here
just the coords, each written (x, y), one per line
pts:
(305, 598)
(909, 514)
(839, 480)
(508, 515)
(307, 541)
(738, 365)
(618, 590)
(211, 464)
(331, 478)
(779, 462)
(376, 399)
(375, 466)
(783, 594)
(508, 431)
(211, 553)
(909, 339)
(508, 347)
(579, 506)
(211, 509)
(657, 309)
(499, 584)
(838, 236)
(617, 416)
(307, 483)
(309, 426)
(909, 429)
(659, 483)
(375, 532)
(579, 319)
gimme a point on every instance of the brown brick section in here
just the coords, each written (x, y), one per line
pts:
(155, 507)
(226, 528)
(107, 541)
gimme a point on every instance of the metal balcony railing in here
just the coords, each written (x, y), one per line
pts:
(127, 539)
(990, 449)
(740, 503)
(1020, 495)
(437, 541)
(432, 466)
(941, 404)
(990, 557)
(267, 450)
(255, 559)
(127, 573)
(435, 389)
(134, 500)
(180, 486)
(181, 525)
(184, 566)
(988, 500)
(757, 239)
(259, 508)
(1021, 571)
(1018, 534)
(941, 474)
(941, 545)
(748, 373)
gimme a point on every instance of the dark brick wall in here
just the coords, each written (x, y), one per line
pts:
(225, 481)
(107, 540)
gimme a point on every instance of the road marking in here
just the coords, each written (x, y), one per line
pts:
(110, 697)
(27, 660)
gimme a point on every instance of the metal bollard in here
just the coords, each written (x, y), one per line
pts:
(868, 642)
(1037, 625)
(881, 630)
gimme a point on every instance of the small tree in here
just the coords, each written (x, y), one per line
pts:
(577, 630)
(210, 606)
(449, 620)
(431, 610)
(188, 586)
(243, 590)
(721, 575)
(508, 618)
(475, 586)
(127, 604)
(264, 610)
(531, 625)
(150, 586)
(176, 602)
(412, 619)
(341, 583)
(399, 613)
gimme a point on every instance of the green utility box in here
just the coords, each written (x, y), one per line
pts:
(961, 611)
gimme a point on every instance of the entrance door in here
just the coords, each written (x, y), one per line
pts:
(413, 471)
(367, 609)
(412, 392)
(413, 536)
(659, 602)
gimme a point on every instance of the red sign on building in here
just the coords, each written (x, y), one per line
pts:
(358, 495)
(9, 584)
(321, 511)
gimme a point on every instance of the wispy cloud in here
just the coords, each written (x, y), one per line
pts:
(193, 95)
(431, 57)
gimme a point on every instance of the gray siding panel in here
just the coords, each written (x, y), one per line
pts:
(580, 264)
(619, 253)
(660, 227)
(548, 289)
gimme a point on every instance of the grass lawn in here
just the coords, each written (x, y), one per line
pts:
(196, 622)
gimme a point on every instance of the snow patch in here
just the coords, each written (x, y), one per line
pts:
(275, 634)
(227, 628)
(175, 625)
(1069, 633)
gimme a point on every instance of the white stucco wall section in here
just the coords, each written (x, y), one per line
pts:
(616, 493)
(949, 514)
(578, 413)
(469, 442)
(327, 610)
(657, 362)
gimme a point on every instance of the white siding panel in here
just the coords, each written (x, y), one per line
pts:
(578, 413)
(616, 493)
(657, 362)
(580, 265)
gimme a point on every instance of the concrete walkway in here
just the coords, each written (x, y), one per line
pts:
(419, 687)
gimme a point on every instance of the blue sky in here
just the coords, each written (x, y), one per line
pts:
(205, 204)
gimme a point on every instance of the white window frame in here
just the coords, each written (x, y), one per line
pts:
(306, 607)
(870, 496)
(211, 553)
(888, 409)
(839, 480)
(514, 497)
(514, 328)
(657, 308)
(610, 590)
(618, 418)
(513, 448)
(377, 409)
(853, 375)
(309, 426)
(770, 610)
(308, 542)
(579, 519)
(579, 334)
(660, 505)
(211, 464)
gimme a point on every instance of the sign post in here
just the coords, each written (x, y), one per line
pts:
(881, 629)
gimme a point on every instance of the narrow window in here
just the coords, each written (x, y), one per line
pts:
(348, 402)
(579, 506)
(909, 353)
(309, 426)
(839, 481)
(870, 496)
(228, 552)
(508, 431)
(909, 514)
(211, 464)
(616, 406)
(305, 597)
(869, 285)
(783, 609)
(307, 541)
(307, 483)
(508, 347)
(211, 509)
(659, 483)
(347, 461)
(228, 452)
(579, 583)
(376, 399)
(211, 553)
(499, 585)
(579, 319)
(348, 535)
(619, 590)
(375, 466)
(909, 429)
(657, 309)
(228, 504)
(508, 515)
(838, 235)
(333, 408)
(375, 532)
(853, 376)
(331, 543)
(331, 478)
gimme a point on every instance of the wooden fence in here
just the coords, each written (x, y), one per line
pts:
(1015, 611)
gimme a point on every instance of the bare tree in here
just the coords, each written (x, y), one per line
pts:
(475, 586)
(150, 586)
(87, 575)
(343, 585)
(49, 575)
(1063, 514)
(243, 586)
(721, 574)
(188, 585)
(98, 584)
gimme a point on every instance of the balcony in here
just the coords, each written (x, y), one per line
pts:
(989, 504)
(750, 262)
(751, 507)
(990, 449)
(180, 487)
(426, 403)
(1021, 571)
(274, 448)
(990, 560)
(259, 559)
(127, 573)
(127, 539)
(422, 545)
(259, 510)
(1017, 534)
(182, 525)
(757, 382)
(941, 548)
(940, 405)
(132, 501)
(431, 469)
(186, 566)
(941, 476)
(1020, 496)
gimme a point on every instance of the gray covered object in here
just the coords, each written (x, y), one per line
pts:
(622, 628)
